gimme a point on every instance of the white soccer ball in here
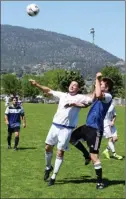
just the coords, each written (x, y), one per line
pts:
(32, 10)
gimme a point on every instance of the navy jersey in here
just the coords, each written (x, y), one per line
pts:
(14, 115)
(98, 112)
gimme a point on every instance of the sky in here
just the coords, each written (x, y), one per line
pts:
(74, 18)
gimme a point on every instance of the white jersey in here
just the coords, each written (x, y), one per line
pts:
(7, 98)
(68, 116)
(109, 115)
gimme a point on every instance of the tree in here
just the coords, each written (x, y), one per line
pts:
(11, 85)
(52, 78)
(27, 89)
(114, 73)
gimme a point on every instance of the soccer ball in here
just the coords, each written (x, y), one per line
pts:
(32, 10)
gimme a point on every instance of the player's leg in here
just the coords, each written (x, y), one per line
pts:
(16, 142)
(114, 139)
(48, 159)
(51, 140)
(75, 137)
(64, 135)
(9, 136)
(94, 140)
(110, 146)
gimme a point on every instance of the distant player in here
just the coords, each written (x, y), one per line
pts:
(13, 116)
(64, 121)
(20, 102)
(110, 133)
(92, 131)
(7, 100)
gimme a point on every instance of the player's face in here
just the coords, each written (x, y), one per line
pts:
(14, 101)
(73, 87)
(104, 88)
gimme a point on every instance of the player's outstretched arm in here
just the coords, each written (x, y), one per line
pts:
(79, 105)
(43, 88)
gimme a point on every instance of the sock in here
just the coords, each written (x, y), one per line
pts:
(98, 170)
(81, 147)
(111, 146)
(48, 158)
(16, 141)
(9, 139)
(58, 163)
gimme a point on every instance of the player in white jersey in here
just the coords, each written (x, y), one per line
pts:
(110, 132)
(64, 121)
(7, 99)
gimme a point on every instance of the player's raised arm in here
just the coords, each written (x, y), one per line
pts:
(43, 88)
(98, 92)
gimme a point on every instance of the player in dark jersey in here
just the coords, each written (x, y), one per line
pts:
(13, 116)
(92, 131)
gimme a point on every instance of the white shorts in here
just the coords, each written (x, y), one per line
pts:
(110, 131)
(60, 136)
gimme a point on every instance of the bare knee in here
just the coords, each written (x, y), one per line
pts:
(94, 158)
(16, 134)
(60, 153)
(48, 148)
(115, 139)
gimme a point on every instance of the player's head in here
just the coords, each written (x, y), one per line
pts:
(74, 87)
(14, 100)
(106, 84)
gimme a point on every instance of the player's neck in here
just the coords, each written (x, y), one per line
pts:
(72, 93)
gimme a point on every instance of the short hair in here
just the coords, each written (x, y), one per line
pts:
(108, 82)
(14, 98)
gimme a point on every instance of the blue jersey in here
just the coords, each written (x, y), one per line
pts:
(98, 112)
(14, 115)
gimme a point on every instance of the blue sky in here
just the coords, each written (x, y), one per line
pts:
(74, 18)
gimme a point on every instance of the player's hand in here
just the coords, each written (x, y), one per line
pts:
(7, 123)
(32, 81)
(98, 75)
(24, 125)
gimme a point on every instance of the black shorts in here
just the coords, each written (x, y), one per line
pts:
(13, 130)
(91, 135)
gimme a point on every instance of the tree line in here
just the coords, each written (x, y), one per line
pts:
(58, 79)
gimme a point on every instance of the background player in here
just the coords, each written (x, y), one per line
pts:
(13, 116)
(110, 133)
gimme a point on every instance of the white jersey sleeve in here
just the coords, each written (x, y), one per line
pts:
(57, 94)
(22, 111)
(7, 111)
(107, 98)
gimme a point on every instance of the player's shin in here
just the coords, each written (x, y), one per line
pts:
(9, 139)
(58, 163)
(16, 141)
(48, 158)
(98, 170)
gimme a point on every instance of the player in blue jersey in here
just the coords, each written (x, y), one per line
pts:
(92, 131)
(13, 115)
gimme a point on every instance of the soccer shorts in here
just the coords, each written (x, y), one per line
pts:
(60, 136)
(110, 131)
(13, 130)
(91, 135)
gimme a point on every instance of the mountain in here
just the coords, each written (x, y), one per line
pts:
(40, 50)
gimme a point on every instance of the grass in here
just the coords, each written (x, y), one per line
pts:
(22, 170)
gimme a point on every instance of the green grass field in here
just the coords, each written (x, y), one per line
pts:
(22, 170)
